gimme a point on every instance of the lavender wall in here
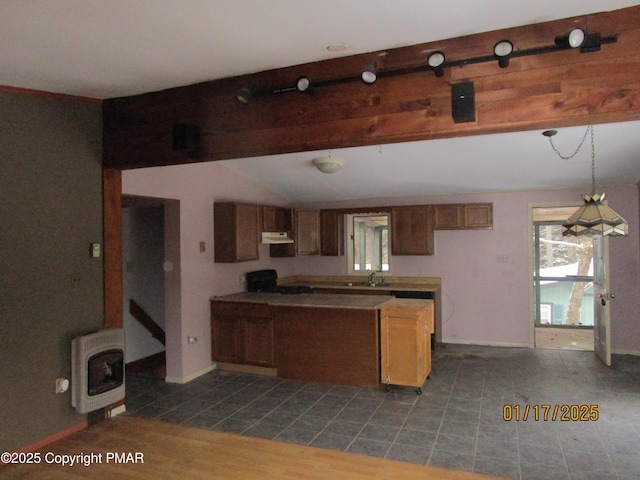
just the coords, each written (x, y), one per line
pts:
(197, 187)
(485, 301)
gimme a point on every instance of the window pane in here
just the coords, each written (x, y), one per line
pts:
(370, 242)
(566, 303)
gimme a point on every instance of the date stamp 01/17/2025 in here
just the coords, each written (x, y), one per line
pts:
(545, 413)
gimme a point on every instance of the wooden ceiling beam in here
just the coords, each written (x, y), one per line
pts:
(559, 89)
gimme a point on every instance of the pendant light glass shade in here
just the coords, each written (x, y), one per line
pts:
(595, 219)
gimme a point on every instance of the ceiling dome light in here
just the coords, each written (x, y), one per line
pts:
(502, 50)
(328, 164)
(436, 63)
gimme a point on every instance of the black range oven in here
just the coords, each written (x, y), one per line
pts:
(267, 281)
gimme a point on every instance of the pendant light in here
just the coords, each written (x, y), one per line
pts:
(594, 218)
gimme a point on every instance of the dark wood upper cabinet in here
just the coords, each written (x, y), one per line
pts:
(463, 216)
(269, 219)
(412, 230)
(307, 233)
(331, 233)
(283, 222)
(236, 230)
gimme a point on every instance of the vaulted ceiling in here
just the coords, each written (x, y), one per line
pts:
(115, 48)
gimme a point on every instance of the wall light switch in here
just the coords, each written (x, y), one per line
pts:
(95, 250)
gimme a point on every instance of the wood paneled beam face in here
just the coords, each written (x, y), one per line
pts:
(558, 89)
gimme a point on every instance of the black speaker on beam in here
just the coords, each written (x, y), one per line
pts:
(186, 137)
(463, 102)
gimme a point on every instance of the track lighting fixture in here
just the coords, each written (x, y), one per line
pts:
(592, 43)
(573, 38)
(243, 95)
(502, 51)
(436, 63)
(304, 85)
(370, 73)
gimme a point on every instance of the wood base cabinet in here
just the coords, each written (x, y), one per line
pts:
(242, 333)
(405, 344)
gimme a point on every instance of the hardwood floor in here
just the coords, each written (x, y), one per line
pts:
(173, 451)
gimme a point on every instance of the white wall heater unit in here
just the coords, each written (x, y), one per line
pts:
(97, 370)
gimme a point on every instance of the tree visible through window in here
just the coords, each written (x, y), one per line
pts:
(563, 276)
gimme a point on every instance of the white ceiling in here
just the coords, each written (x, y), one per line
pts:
(110, 48)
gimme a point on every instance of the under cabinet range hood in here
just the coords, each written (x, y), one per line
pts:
(276, 237)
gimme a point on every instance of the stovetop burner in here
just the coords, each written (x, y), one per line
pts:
(267, 281)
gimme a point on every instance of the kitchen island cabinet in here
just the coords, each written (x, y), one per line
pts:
(318, 338)
(401, 287)
(406, 326)
(242, 333)
(333, 345)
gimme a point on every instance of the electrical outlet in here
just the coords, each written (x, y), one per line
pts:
(203, 247)
(62, 385)
(242, 279)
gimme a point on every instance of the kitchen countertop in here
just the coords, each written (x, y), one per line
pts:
(418, 284)
(321, 301)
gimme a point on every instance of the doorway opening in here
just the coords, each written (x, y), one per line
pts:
(563, 274)
(147, 225)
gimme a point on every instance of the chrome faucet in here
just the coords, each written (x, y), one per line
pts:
(372, 274)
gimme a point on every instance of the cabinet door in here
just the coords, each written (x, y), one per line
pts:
(247, 232)
(463, 216)
(448, 217)
(308, 233)
(402, 361)
(269, 223)
(227, 337)
(284, 218)
(331, 233)
(236, 230)
(258, 338)
(478, 215)
(412, 230)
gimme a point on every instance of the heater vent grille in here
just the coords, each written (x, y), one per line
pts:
(97, 358)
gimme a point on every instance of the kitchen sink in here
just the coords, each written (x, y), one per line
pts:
(365, 284)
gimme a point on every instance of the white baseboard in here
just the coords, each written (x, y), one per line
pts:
(193, 376)
(484, 343)
(626, 352)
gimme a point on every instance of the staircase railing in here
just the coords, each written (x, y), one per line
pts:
(146, 321)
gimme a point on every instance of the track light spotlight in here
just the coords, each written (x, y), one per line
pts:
(304, 85)
(573, 38)
(370, 73)
(436, 63)
(243, 95)
(502, 50)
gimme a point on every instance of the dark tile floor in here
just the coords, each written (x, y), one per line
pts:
(457, 423)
